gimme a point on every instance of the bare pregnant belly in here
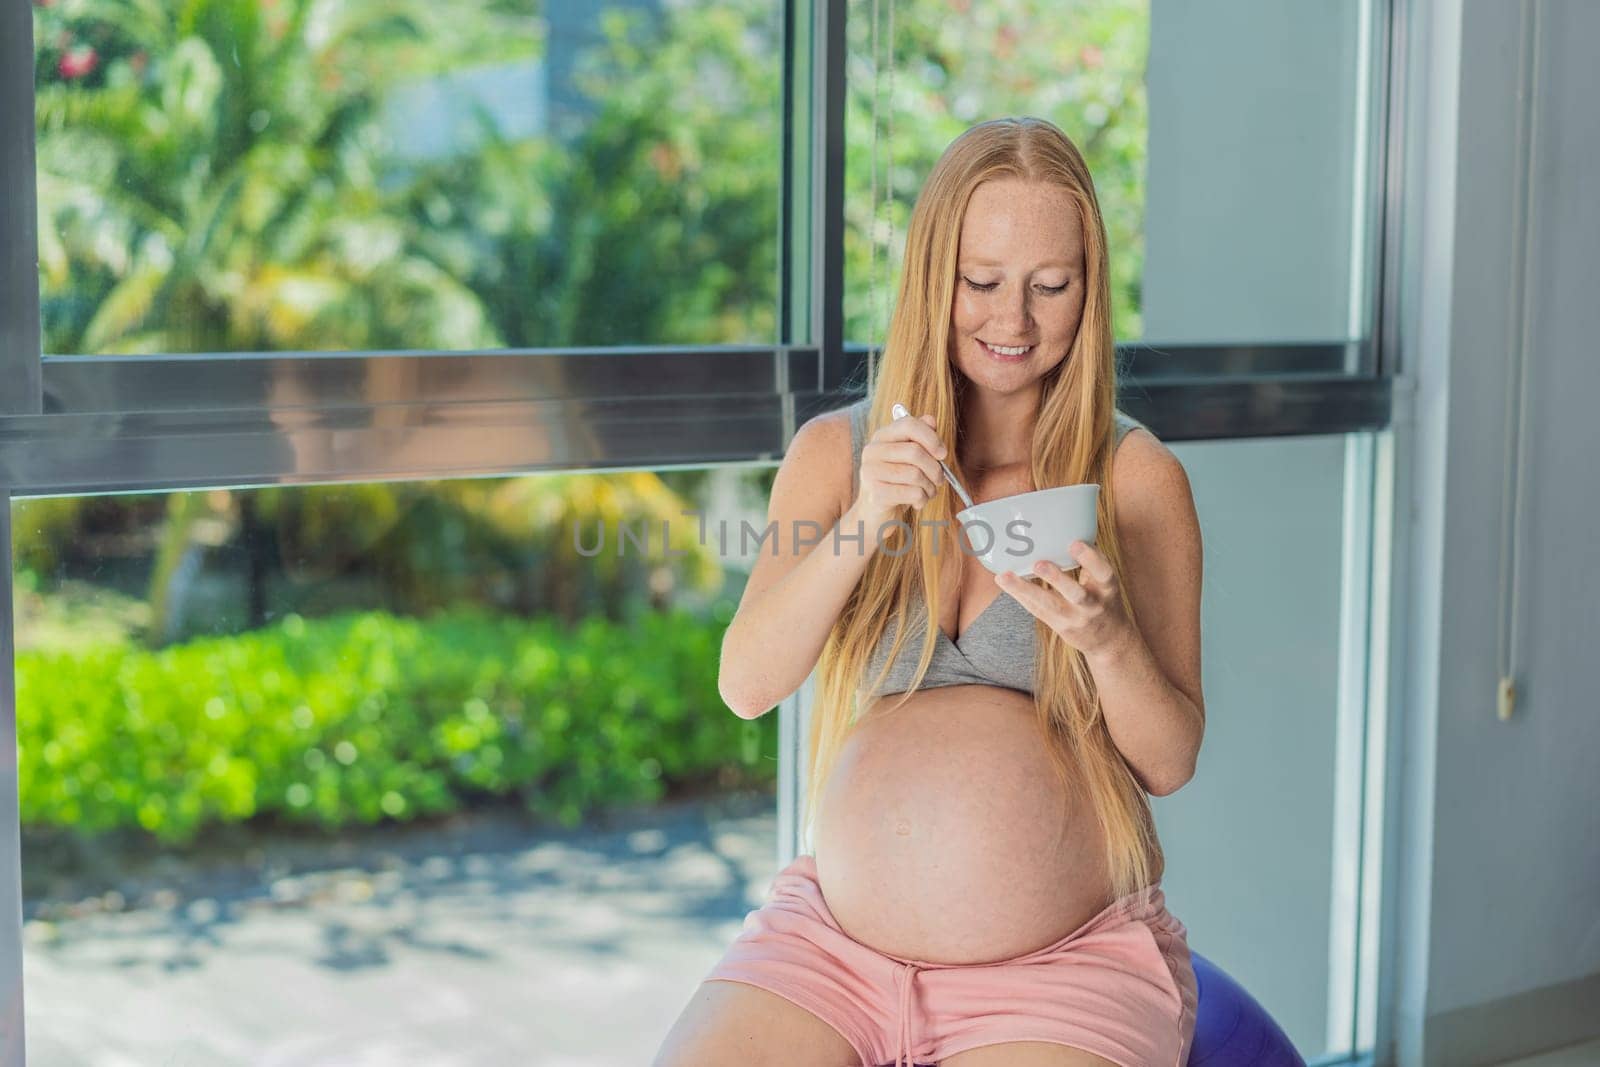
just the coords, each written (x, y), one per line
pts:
(943, 833)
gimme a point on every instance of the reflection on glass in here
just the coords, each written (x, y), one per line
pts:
(291, 756)
(263, 175)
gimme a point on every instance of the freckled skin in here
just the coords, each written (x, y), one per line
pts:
(940, 834)
(1023, 239)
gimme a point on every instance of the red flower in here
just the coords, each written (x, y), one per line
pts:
(78, 62)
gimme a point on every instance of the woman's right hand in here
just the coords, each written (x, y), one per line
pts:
(899, 466)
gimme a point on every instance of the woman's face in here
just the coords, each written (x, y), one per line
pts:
(1019, 283)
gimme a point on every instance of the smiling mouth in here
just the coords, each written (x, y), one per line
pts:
(1007, 351)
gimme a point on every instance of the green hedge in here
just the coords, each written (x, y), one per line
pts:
(358, 718)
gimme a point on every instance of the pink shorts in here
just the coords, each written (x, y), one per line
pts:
(1120, 986)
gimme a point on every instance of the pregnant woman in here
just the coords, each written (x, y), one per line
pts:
(984, 884)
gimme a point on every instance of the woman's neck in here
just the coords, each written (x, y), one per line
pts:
(997, 430)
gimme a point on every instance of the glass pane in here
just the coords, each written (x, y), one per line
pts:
(1255, 882)
(292, 757)
(1228, 143)
(1259, 204)
(268, 175)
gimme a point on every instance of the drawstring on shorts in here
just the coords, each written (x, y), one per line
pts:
(906, 1047)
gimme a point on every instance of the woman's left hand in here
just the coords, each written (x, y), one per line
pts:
(1084, 605)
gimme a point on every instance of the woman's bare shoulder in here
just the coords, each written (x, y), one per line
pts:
(820, 462)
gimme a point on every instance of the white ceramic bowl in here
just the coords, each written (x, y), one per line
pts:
(1015, 532)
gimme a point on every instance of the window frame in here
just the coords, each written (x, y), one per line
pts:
(88, 424)
(93, 423)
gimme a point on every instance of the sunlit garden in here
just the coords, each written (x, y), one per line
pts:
(266, 176)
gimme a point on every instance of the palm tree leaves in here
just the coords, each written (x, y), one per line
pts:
(220, 187)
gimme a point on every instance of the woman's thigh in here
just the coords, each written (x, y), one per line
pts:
(734, 1024)
(1025, 1054)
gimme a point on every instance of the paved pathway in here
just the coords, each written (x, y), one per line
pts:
(479, 944)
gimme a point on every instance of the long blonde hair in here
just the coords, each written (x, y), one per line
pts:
(1073, 441)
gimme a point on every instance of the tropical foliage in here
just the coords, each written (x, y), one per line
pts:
(242, 176)
(1078, 63)
(225, 175)
(358, 718)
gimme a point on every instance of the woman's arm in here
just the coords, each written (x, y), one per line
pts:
(1150, 683)
(800, 581)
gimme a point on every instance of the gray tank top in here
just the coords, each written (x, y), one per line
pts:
(997, 648)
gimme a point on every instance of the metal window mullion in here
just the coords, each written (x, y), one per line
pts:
(1384, 322)
(11, 1014)
(794, 198)
(21, 393)
(20, 390)
(1379, 947)
(827, 78)
(491, 424)
(817, 77)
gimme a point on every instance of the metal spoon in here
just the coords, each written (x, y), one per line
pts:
(899, 411)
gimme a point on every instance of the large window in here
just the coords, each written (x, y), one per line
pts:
(289, 757)
(235, 176)
(321, 323)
